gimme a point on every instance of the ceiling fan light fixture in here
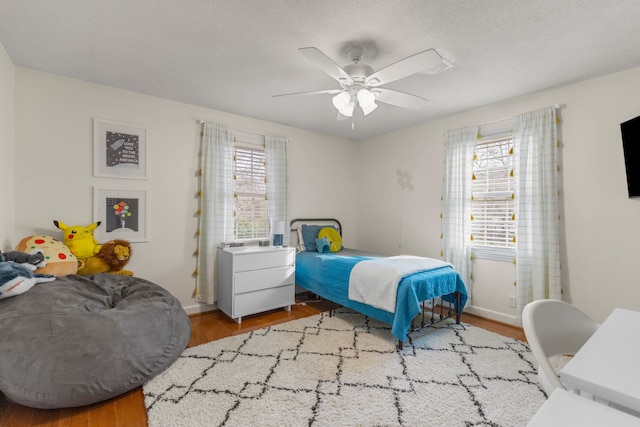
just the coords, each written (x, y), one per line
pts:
(341, 101)
(367, 101)
(369, 108)
(348, 109)
(366, 98)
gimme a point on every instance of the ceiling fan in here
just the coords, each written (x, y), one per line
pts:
(361, 85)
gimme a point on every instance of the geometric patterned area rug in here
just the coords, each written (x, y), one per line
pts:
(344, 370)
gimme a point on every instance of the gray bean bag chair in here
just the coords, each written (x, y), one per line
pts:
(80, 340)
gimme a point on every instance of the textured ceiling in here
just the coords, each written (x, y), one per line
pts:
(235, 55)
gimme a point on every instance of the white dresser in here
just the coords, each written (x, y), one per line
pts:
(253, 279)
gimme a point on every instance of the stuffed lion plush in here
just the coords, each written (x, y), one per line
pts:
(111, 258)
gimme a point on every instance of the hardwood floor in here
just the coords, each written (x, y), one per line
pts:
(128, 410)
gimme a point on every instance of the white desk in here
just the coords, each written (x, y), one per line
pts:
(608, 365)
(564, 408)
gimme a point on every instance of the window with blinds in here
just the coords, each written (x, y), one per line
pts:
(492, 202)
(251, 214)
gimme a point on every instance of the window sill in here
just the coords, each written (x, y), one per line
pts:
(494, 253)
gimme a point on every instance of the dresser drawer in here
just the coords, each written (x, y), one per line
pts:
(249, 281)
(258, 261)
(263, 300)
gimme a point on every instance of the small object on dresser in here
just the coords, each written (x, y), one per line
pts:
(235, 244)
(278, 233)
(263, 243)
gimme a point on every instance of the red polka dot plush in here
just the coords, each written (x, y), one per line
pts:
(59, 258)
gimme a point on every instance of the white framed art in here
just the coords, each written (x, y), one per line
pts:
(122, 215)
(119, 150)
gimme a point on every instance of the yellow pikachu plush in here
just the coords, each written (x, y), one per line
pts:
(79, 239)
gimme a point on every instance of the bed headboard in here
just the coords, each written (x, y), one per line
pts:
(295, 223)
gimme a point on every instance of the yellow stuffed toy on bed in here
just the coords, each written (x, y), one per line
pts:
(333, 237)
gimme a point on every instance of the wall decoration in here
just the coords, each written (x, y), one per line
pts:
(119, 150)
(404, 181)
(123, 215)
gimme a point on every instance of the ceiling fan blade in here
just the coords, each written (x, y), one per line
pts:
(314, 92)
(399, 99)
(422, 61)
(325, 63)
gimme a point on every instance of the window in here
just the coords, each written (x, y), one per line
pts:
(251, 213)
(492, 202)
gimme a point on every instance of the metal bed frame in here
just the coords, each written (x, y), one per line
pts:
(435, 318)
(450, 313)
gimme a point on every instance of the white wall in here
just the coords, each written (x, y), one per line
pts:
(600, 224)
(356, 182)
(54, 167)
(7, 139)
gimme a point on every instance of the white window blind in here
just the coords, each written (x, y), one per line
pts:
(251, 213)
(492, 203)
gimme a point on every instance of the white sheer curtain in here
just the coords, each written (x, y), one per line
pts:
(276, 169)
(456, 200)
(216, 205)
(537, 216)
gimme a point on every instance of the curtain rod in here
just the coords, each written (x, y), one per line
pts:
(556, 106)
(240, 130)
(495, 121)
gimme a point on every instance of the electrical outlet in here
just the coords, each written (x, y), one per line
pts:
(512, 301)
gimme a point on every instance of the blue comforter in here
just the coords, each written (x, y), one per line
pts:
(327, 275)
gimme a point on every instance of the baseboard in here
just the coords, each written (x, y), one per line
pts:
(199, 308)
(493, 315)
(203, 308)
(478, 311)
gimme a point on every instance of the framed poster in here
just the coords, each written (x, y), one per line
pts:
(122, 213)
(119, 150)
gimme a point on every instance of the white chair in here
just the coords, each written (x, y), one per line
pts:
(554, 328)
